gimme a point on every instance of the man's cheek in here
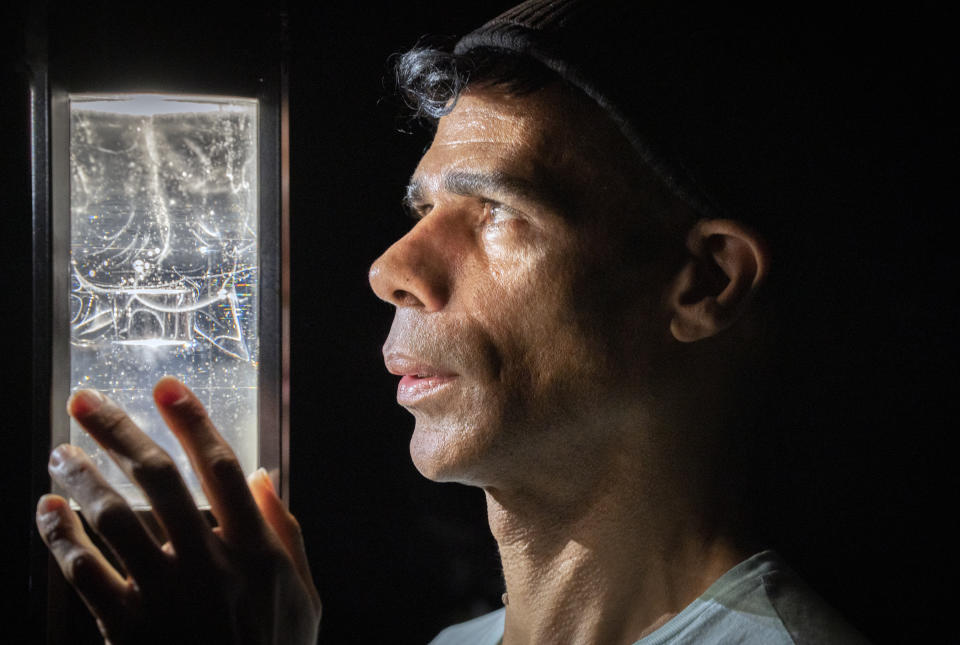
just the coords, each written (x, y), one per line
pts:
(518, 265)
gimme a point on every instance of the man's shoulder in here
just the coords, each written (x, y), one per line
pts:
(762, 601)
(808, 617)
(483, 630)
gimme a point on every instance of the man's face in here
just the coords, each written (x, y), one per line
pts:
(516, 307)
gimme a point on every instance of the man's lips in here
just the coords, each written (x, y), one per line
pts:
(419, 378)
(413, 389)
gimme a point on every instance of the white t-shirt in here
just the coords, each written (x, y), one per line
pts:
(758, 602)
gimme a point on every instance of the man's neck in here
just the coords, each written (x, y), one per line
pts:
(610, 567)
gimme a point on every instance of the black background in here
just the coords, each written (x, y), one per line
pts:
(865, 504)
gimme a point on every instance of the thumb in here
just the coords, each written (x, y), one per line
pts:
(284, 525)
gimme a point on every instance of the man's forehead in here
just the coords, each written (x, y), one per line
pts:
(489, 130)
(555, 142)
(490, 118)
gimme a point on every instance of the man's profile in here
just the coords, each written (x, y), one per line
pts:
(580, 330)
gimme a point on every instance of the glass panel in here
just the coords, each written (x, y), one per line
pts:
(164, 274)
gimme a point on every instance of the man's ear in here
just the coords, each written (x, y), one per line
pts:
(727, 263)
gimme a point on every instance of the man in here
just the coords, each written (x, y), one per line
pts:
(579, 329)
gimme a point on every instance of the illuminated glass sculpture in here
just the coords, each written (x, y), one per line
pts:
(164, 271)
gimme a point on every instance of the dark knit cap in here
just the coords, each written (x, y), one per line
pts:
(707, 94)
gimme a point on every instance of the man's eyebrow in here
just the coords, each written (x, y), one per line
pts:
(479, 183)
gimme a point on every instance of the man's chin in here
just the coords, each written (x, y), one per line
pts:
(431, 465)
(445, 454)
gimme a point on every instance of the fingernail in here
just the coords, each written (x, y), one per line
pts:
(56, 457)
(169, 391)
(48, 514)
(62, 453)
(48, 505)
(267, 478)
(264, 478)
(44, 505)
(84, 402)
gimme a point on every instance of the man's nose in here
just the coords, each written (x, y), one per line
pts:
(413, 272)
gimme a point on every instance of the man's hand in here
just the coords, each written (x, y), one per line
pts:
(246, 581)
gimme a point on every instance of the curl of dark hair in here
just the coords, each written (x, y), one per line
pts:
(431, 80)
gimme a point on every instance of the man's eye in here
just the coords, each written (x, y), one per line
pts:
(496, 213)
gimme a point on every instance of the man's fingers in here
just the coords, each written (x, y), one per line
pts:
(214, 462)
(82, 563)
(106, 511)
(147, 465)
(285, 526)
